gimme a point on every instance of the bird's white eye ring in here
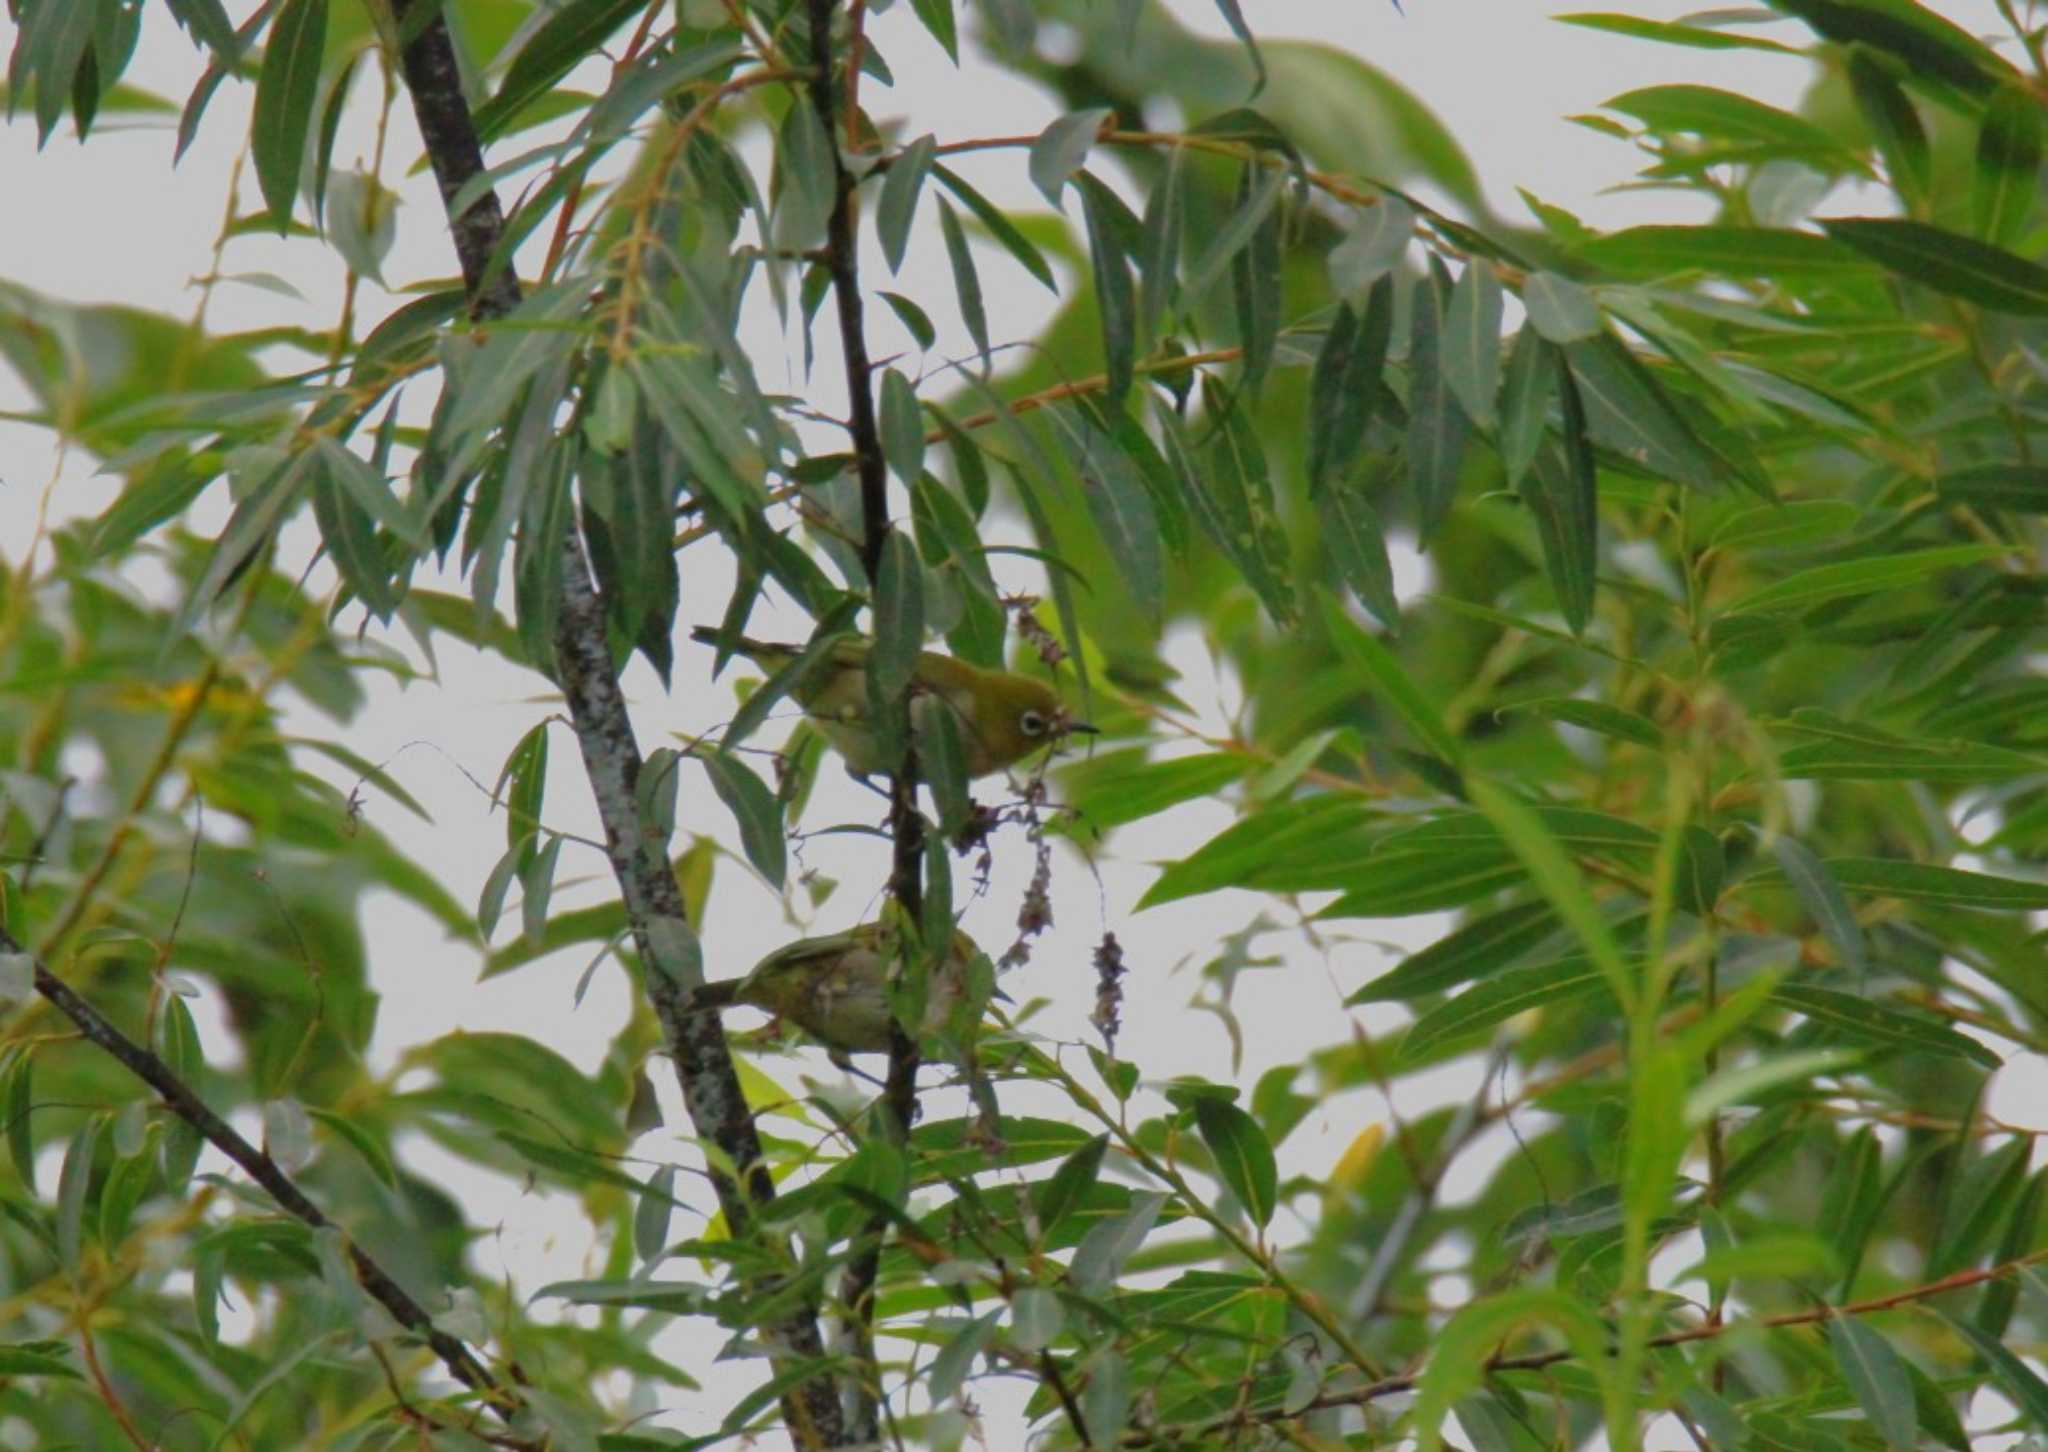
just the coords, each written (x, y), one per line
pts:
(1033, 723)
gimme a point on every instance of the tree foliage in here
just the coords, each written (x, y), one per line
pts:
(1713, 737)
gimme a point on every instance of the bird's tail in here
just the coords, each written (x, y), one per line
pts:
(715, 997)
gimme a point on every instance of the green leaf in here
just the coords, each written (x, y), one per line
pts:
(1561, 493)
(1054, 1199)
(966, 281)
(1123, 512)
(1863, 576)
(999, 226)
(1868, 1022)
(19, 1107)
(1244, 1156)
(1474, 951)
(1608, 720)
(1230, 239)
(1358, 546)
(2020, 487)
(1823, 898)
(1372, 247)
(1471, 341)
(1308, 840)
(1525, 401)
(1437, 426)
(1125, 786)
(898, 617)
(1888, 112)
(1662, 250)
(1924, 882)
(901, 187)
(955, 1361)
(2015, 1378)
(1100, 1256)
(754, 807)
(1557, 877)
(1345, 383)
(1384, 674)
(1233, 497)
(1233, 16)
(1933, 49)
(1401, 884)
(1668, 33)
(1948, 262)
(2006, 178)
(287, 89)
(1630, 412)
(651, 1214)
(1725, 116)
(902, 426)
(74, 1179)
(360, 1139)
(1062, 149)
(938, 19)
(1462, 1347)
(570, 34)
(1780, 526)
(1559, 309)
(1114, 298)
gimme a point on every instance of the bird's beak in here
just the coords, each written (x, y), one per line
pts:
(1086, 728)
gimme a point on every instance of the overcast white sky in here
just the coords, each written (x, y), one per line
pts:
(113, 221)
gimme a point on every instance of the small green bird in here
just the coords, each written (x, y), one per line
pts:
(1002, 717)
(835, 988)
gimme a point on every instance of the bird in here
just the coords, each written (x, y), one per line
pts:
(1002, 716)
(836, 988)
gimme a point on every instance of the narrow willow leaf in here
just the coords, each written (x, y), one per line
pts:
(754, 808)
(1463, 1346)
(1525, 402)
(966, 281)
(1559, 309)
(1062, 149)
(1244, 1156)
(1255, 285)
(1372, 247)
(1608, 720)
(1315, 839)
(287, 89)
(900, 189)
(2020, 487)
(1437, 426)
(1561, 494)
(570, 34)
(1924, 882)
(1858, 577)
(1233, 497)
(1873, 1024)
(536, 889)
(1260, 195)
(1498, 999)
(999, 226)
(1948, 262)
(1558, 878)
(1474, 951)
(74, 1179)
(1036, 1318)
(1233, 17)
(18, 1103)
(1358, 546)
(1656, 1142)
(1115, 299)
(1159, 246)
(1345, 383)
(1401, 884)
(1100, 1257)
(2008, 164)
(1781, 526)
(1385, 675)
(1662, 250)
(1124, 516)
(939, 20)
(1056, 1198)
(651, 1216)
(902, 426)
(2014, 1377)
(1823, 898)
(1122, 787)
(898, 617)
(1901, 139)
(1631, 413)
(1471, 341)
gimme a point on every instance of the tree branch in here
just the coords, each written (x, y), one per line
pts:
(662, 935)
(182, 1101)
(906, 823)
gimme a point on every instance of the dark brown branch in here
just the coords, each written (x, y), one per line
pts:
(612, 759)
(182, 1101)
(906, 823)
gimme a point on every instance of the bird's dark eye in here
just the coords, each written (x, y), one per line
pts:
(1033, 723)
